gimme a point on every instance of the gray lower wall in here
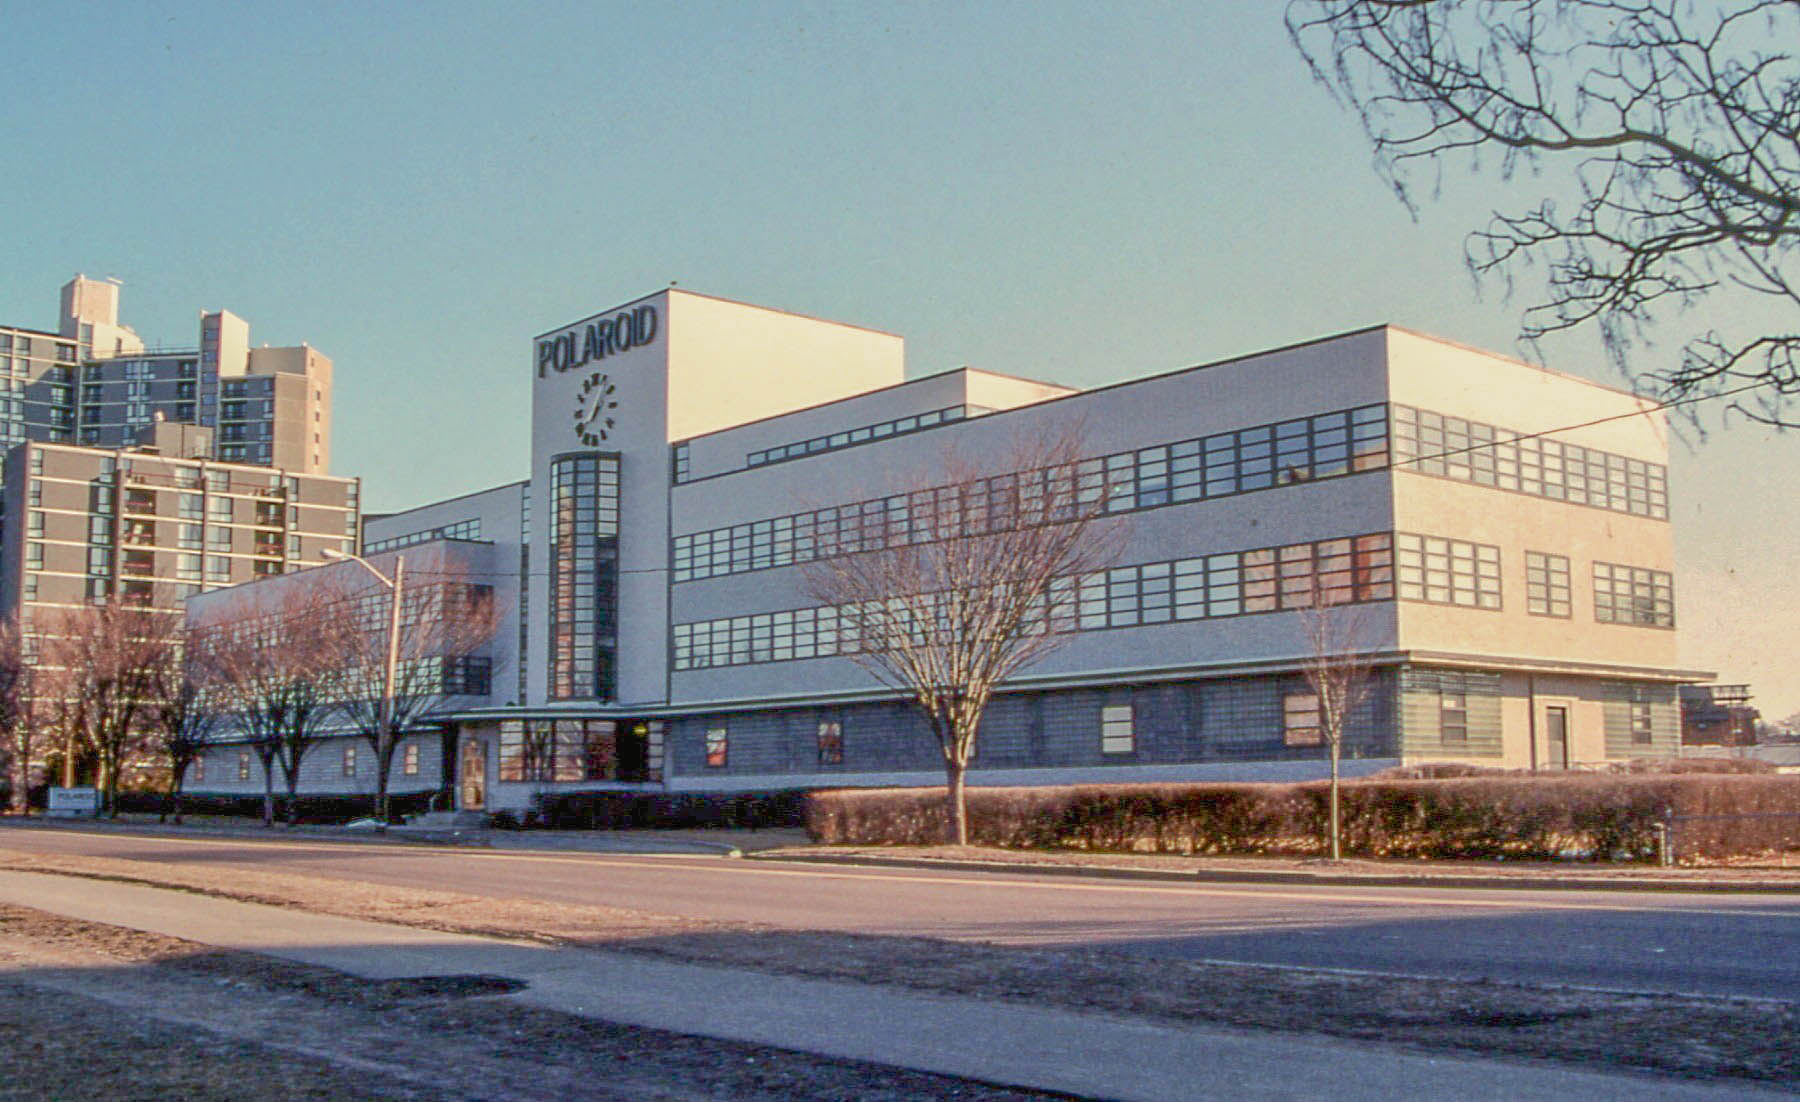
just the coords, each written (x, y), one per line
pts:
(1178, 724)
(1665, 720)
(322, 770)
(1421, 714)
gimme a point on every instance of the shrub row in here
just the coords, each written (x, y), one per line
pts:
(670, 811)
(1587, 816)
(309, 809)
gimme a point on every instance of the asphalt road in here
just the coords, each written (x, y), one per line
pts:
(1745, 945)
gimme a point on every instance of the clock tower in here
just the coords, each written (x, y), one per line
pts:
(611, 395)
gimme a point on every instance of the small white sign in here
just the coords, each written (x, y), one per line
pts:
(71, 803)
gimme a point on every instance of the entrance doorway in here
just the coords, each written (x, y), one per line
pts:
(1556, 737)
(474, 775)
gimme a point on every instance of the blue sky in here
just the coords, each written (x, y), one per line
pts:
(1081, 192)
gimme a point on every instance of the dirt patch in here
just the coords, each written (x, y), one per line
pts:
(92, 1011)
(1689, 1036)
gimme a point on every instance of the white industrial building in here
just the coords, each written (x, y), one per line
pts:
(688, 452)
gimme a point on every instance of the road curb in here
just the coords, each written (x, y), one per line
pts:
(1277, 877)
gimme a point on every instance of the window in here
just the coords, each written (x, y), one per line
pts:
(197, 769)
(1117, 733)
(409, 759)
(1633, 595)
(350, 761)
(831, 742)
(1447, 572)
(1546, 584)
(1450, 447)
(717, 744)
(1300, 720)
(243, 765)
(1358, 568)
(584, 576)
(1453, 715)
(1327, 445)
(1643, 732)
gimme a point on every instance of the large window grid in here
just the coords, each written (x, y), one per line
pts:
(584, 582)
(1446, 571)
(1233, 583)
(1470, 451)
(1633, 595)
(1328, 445)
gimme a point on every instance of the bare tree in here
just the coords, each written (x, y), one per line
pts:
(100, 675)
(185, 712)
(1679, 123)
(1339, 668)
(18, 715)
(443, 622)
(971, 584)
(278, 662)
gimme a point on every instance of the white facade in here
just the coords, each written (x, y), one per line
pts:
(685, 450)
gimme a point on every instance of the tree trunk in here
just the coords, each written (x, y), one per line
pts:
(1336, 853)
(957, 800)
(268, 791)
(384, 764)
(105, 774)
(21, 778)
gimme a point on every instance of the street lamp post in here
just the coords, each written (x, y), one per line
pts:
(384, 735)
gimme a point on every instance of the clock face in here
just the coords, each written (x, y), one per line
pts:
(594, 409)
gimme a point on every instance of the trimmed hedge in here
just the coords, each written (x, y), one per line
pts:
(671, 811)
(1520, 817)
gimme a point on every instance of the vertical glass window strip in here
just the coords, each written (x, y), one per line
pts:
(584, 567)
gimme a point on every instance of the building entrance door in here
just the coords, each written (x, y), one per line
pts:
(1556, 738)
(474, 775)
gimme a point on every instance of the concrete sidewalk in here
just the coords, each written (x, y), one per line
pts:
(1084, 1054)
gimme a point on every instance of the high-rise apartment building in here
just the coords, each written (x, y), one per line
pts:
(92, 381)
(156, 524)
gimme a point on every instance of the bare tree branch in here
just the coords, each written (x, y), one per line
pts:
(982, 590)
(1679, 123)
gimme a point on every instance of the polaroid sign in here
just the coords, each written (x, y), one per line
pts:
(597, 340)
